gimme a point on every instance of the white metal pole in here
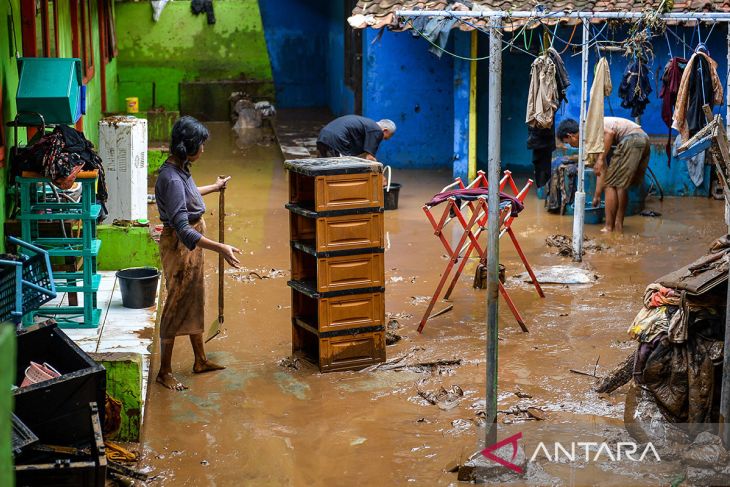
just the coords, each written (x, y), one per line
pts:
(580, 195)
(494, 169)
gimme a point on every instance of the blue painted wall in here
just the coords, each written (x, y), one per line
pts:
(462, 47)
(406, 83)
(340, 98)
(305, 40)
(515, 156)
(297, 38)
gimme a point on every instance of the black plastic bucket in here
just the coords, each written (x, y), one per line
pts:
(391, 197)
(138, 286)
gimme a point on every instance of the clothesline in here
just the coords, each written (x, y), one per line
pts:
(594, 41)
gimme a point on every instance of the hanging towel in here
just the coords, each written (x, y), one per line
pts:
(700, 84)
(695, 165)
(542, 96)
(635, 87)
(600, 89)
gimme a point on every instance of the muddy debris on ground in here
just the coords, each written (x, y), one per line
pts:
(564, 245)
(290, 363)
(444, 398)
(408, 362)
(252, 275)
(517, 414)
(391, 332)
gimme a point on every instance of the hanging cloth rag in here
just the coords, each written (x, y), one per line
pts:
(695, 165)
(635, 87)
(541, 141)
(542, 96)
(700, 85)
(200, 6)
(671, 78)
(600, 89)
(435, 30)
(562, 80)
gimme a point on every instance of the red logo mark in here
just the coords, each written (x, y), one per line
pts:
(487, 452)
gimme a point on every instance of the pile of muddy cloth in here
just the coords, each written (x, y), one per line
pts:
(60, 156)
(563, 180)
(680, 329)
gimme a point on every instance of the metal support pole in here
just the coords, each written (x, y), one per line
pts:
(473, 106)
(494, 169)
(580, 195)
(725, 391)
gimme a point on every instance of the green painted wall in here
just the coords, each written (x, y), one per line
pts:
(9, 83)
(10, 10)
(7, 378)
(124, 383)
(183, 47)
(124, 247)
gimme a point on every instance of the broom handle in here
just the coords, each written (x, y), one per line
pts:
(221, 239)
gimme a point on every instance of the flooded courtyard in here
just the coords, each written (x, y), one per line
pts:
(267, 421)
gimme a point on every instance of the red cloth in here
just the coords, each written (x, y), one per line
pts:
(670, 88)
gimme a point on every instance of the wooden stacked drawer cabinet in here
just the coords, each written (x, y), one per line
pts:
(338, 284)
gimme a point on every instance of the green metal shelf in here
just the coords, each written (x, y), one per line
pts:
(64, 316)
(86, 246)
(54, 251)
(82, 288)
(34, 213)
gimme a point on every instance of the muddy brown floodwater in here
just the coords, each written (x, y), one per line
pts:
(259, 423)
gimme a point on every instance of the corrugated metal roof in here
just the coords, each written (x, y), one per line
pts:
(381, 13)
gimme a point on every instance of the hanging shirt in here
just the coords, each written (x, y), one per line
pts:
(700, 85)
(671, 78)
(600, 89)
(635, 87)
(542, 96)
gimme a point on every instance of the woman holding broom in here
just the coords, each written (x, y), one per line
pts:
(181, 207)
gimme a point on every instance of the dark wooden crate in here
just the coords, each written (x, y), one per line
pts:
(57, 410)
(57, 470)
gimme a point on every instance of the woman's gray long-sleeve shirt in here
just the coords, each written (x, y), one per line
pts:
(179, 202)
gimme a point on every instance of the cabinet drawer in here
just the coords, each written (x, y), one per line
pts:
(336, 192)
(339, 273)
(337, 313)
(346, 352)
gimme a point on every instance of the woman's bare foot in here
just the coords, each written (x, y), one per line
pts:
(168, 380)
(606, 230)
(206, 366)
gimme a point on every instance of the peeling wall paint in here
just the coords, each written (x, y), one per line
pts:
(155, 57)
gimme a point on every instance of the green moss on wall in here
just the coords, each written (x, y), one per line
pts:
(123, 247)
(155, 159)
(155, 57)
